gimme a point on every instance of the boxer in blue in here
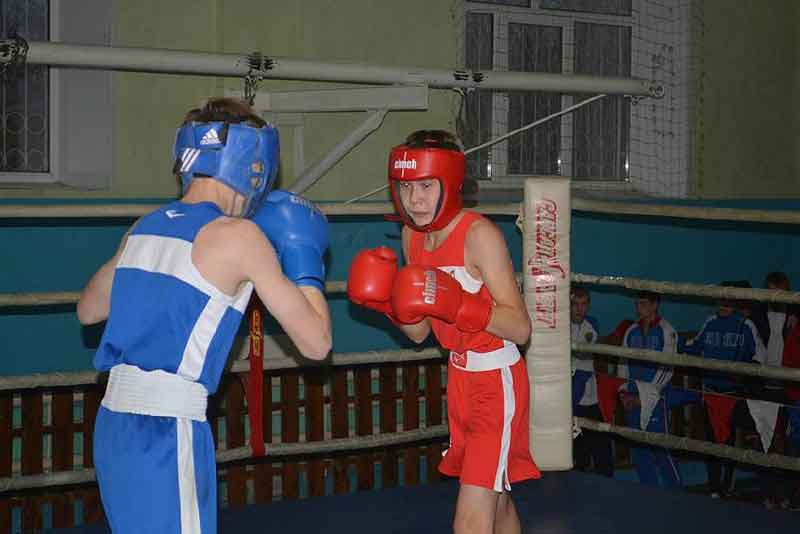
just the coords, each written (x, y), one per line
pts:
(174, 295)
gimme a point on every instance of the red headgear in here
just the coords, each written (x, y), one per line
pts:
(412, 164)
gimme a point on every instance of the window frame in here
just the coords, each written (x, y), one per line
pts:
(564, 19)
(42, 178)
(61, 88)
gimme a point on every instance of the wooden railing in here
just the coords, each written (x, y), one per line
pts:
(50, 430)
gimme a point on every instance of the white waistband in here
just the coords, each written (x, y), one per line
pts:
(505, 356)
(159, 393)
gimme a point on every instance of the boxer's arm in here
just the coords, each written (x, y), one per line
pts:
(485, 249)
(420, 331)
(301, 311)
(94, 302)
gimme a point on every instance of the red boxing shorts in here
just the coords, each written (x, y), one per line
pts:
(487, 410)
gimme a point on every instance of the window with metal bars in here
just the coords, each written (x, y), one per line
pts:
(24, 93)
(592, 143)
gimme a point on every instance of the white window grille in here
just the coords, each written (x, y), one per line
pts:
(609, 144)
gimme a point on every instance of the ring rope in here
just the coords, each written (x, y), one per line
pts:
(694, 445)
(657, 286)
(702, 394)
(273, 450)
(347, 359)
(35, 211)
(680, 288)
(276, 363)
(686, 212)
(439, 431)
(685, 360)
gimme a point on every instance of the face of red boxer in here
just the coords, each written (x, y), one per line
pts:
(420, 199)
(426, 176)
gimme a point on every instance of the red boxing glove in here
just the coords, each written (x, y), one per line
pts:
(371, 277)
(421, 292)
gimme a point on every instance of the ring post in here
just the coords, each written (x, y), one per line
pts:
(546, 268)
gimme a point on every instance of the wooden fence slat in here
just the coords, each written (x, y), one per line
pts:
(62, 439)
(290, 430)
(365, 469)
(410, 421)
(91, 403)
(433, 453)
(433, 394)
(6, 503)
(262, 472)
(92, 507)
(339, 427)
(32, 432)
(6, 439)
(62, 430)
(6, 433)
(236, 476)
(388, 381)
(32, 514)
(315, 428)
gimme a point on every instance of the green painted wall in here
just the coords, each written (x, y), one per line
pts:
(748, 126)
(148, 106)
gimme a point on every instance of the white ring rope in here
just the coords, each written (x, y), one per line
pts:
(681, 288)
(685, 360)
(686, 212)
(374, 441)
(35, 211)
(656, 286)
(694, 445)
(273, 450)
(347, 359)
(271, 363)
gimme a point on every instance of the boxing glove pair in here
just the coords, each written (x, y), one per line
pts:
(299, 233)
(410, 294)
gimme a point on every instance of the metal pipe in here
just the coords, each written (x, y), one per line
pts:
(270, 67)
(318, 170)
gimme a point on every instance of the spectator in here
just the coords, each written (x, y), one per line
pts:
(589, 447)
(641, 397)
(726, 335)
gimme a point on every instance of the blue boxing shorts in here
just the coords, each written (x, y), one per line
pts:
(157, 473)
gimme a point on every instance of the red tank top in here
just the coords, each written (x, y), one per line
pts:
(449, 257)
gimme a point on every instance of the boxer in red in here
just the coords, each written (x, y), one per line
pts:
(459, 283)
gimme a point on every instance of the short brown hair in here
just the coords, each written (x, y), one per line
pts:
(652, 296)
(225, 109)
(579, 292)
(433, 139)
(778, 279)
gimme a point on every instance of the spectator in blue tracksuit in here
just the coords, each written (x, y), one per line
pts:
(641, 397)
(589, 447)
(726, 335)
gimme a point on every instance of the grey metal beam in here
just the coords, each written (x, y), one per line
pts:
(272, 67)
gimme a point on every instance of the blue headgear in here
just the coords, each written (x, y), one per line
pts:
(241, 156)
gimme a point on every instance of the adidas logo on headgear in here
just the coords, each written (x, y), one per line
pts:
(210, 138)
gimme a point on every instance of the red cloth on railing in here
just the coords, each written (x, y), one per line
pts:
(607, 393)
(720, 410)
(618, 335)
(791, 358)
(255, 383)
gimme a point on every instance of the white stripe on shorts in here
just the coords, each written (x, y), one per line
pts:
(509, 407)
(187, 485)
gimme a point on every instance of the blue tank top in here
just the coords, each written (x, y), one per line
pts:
(164, 314)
